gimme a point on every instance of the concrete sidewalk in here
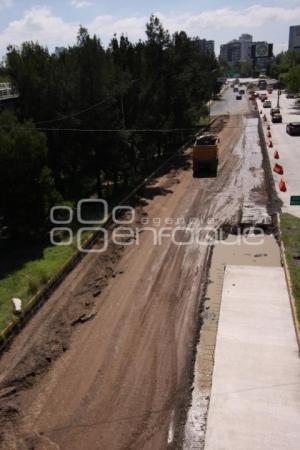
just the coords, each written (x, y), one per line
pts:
(255, 399)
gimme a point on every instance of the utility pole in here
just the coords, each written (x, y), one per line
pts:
(278, 96)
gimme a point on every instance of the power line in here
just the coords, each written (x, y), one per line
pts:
(126, 130)
(75, 114)
(105, 130)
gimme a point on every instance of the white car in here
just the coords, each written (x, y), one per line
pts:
(267, 104)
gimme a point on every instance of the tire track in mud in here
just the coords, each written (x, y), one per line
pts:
(127, 372)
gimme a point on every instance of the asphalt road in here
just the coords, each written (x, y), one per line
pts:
(227, 104)
(288, 148)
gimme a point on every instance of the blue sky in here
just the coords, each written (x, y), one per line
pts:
(55, 22)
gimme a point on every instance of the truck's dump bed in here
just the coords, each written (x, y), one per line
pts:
(205, 154)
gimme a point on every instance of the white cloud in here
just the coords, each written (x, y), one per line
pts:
(5, 4)
(81, 3)
(225, 18)
(107, 25)
(39, 24)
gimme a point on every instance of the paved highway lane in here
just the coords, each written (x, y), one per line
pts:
(227, 104)
(288, 148)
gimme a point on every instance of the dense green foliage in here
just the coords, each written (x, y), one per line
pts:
(290, 229)
(287, 68)
(26, 186)
(162, 83)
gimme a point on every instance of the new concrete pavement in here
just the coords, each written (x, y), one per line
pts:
(255, 400)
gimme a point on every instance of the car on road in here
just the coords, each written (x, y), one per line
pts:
(235, 89)
(293, 128)
(275, 111)
(263, 97)
(242, 91)
(238, 97)
(276, 118)
(290, 95)
(267, 104)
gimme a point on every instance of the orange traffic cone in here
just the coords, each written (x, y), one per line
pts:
(265, 118)
(276, 154)
(282, 185)
(269, 134)
(268, 127)
(260, 112)
(278, 169)
(270, 144)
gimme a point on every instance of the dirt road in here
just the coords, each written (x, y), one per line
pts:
(107, 362)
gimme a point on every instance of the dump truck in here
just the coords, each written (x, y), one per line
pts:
(205, 154)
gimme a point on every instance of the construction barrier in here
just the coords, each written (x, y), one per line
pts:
(276, 154)
(278, 169)
(267, 165)
(282, 185)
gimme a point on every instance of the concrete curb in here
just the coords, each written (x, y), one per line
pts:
(16, 325)
(276, 219)
(289, 283)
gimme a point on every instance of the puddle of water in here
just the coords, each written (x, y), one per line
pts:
(255, 250)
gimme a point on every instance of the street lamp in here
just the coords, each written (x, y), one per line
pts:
(210, 95)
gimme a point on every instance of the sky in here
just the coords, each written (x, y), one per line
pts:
(56, 22)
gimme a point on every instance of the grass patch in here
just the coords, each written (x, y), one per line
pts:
(28, 279)
(290, 229)
(4, 78)
(24, 270)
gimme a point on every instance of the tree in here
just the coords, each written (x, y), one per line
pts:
(292, 78)
(286, 68)
(246, 68)
(26, 185)
(161, 83)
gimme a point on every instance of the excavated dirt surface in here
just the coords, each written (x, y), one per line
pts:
(107, 362)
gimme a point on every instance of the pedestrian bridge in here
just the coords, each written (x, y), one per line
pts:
(7, 91)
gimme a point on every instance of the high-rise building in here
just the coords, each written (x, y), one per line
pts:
(231, 52)
(246, 42)
(244, 49)
(262, 55)
(207, 46)
(294, 38)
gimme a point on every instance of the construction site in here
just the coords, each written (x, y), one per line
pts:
(163, 341)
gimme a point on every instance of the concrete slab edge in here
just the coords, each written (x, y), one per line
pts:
(289, 283)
